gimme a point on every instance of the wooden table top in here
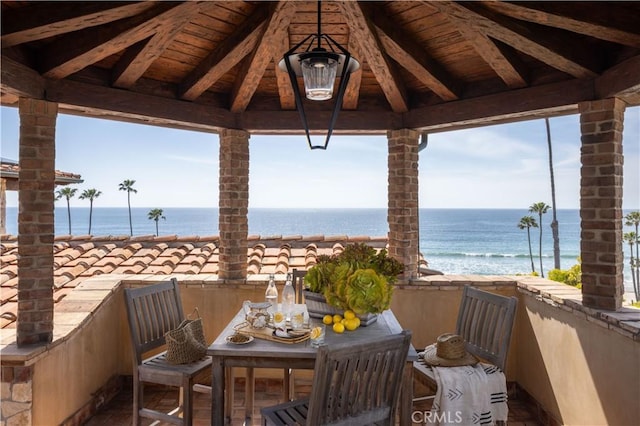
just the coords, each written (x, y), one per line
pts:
(385, 325)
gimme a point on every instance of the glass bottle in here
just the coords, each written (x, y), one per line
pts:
(288, 297)
(271, 295)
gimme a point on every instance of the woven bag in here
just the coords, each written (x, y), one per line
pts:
(186, 343)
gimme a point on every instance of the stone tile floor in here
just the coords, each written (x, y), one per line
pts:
(268, 392)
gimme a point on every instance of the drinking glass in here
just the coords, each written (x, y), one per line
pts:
(317, 334)
(297, 319)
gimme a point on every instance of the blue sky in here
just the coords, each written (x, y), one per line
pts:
(501, 166)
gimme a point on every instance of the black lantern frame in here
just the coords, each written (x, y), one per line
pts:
(291, 63)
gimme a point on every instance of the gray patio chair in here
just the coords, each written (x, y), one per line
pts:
(485, 322)
(152, 311)
(354, 383)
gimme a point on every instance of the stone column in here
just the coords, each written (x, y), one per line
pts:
(35, 221)
(234, 204)
(402, 214)
(601, 125)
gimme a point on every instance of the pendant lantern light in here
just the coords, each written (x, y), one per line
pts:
(319, 67)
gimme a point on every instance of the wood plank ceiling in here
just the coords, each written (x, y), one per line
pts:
(424, 65)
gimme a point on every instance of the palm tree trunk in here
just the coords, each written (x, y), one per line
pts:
(69, 215)
(157, 227)
(90, 214)
(554, 221)
(129, 204)
(533, 268)
(540, 245)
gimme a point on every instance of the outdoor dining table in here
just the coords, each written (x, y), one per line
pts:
(271, 354)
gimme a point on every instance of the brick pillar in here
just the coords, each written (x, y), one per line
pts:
(234, 204)
(402, 214)
(601, 125)
(35, 221)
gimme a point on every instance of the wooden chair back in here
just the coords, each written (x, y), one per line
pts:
(152, 311)
(358, 383)
(485, 321)
(298, 283)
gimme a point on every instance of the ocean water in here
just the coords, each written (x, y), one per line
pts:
(454, 241)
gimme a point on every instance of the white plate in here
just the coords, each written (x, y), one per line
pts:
(249, 340)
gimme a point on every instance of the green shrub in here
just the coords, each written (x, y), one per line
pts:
(571, 276)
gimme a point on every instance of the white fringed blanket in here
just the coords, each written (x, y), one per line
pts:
(469, 395)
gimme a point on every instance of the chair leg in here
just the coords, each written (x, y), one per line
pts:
(286, 385)
(187, 402)
(138, 388)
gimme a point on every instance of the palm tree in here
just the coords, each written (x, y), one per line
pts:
(540, 208)
(156, 214)
(554, 221)
(67, 193)
(529, 222)
(127, 185)
(90, 194)
(633, 219)
(632, 239)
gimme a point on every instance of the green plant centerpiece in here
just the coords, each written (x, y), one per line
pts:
(359, 279)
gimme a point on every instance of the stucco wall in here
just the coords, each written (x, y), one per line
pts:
(66, 376)
(581, 372)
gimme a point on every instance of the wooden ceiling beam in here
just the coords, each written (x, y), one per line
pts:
(75, 51)
(386, 75)
(139, 57)
(621, 81)
(352, 92)
(230, 52)
(547, 48)
(285, 91)
(510, 70)
(406, 52)
(510, 106)
(19, 80)
(514, 105)
(582, 20)
(249, 78)
(137, 107)
(48, 19)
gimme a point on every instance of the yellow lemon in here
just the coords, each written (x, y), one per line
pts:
(349, 314)
(337, 318)
(351, 324)
(338, 327)
(327, 319)
(357, 321)
(316, 332)
(278, 317)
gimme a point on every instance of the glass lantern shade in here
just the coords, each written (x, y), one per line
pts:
(319, 73)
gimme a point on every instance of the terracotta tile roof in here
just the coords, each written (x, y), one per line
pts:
(77, 258)
(9, 170)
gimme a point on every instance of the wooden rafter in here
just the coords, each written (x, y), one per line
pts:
(404, 50)
(510, 70)
(48, 19)
(384, 71)
(74, 52)
(225, 57)
(352, 93)
(285, 91)
(583, 20)
(544, 47)
(138, 58)
(249, 78)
